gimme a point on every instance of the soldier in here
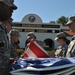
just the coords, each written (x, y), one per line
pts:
(6, 10)
(8, 24)
(14, 38)
(62, 49)
(31, 35)
(71, 47)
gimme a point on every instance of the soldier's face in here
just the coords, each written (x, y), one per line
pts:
(5, 12)
(14, 38)
(60, 42)
(72, 26)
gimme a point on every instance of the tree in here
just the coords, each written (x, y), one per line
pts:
(62, 20)
(52, 22)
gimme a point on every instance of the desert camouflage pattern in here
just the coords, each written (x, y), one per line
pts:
(71, 48)
(61, 51)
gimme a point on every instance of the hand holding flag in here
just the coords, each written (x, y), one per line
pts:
(34, 50)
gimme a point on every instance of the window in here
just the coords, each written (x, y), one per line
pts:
(51, 26)
(57, 31)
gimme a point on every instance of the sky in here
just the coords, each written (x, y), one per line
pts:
(48, 10)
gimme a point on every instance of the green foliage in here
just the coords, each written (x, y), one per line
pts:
(51, 52)
(62, 20)
(52, 22)
(20, 52)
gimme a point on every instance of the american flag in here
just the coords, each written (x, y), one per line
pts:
(34, 63)
(43, 66)
(34, 50)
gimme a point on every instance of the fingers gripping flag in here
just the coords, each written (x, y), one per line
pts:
(35, 50)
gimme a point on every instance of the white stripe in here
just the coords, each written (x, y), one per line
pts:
(40, 47)
(63, 72)
(30, 53)
(69, 71)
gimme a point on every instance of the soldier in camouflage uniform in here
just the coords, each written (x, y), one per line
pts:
(14, 37)
(31, 35)
(71, 47)
(6, 9)
(62, 48)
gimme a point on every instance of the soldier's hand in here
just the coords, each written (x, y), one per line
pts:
(11, 60)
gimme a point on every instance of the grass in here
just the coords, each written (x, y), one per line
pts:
(50, 52)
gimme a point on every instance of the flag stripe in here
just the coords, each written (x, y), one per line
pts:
(25, 56)
(30, 53)
(37, 51)
(40, 47)
(65, 66)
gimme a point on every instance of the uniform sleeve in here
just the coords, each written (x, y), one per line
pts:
(63, 52)
(13, 51)
(1, 43)
(71, 49)
(72, 52)
(4, 48)
(57, 52)
(2, 39)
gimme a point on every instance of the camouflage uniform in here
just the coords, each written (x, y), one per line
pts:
(13, 50)
(32, 36)
(61, 51)
(5, 51)
(71, 48)
(4, 47)
(13, 45)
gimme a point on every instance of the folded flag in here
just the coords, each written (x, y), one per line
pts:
(34, 50)
(36, 61)
(47, 66)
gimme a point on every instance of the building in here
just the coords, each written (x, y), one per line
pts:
(44, 31)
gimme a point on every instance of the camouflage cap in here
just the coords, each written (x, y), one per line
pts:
(30, 34)
(71, 19)
(9, 3)
(60, 35)
(14, 31)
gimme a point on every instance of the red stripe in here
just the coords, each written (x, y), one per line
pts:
(25, 56)
(37, 51)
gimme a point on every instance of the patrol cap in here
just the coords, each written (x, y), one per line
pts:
(31, 34)
(71, 19)
(60, 35)
(14, 31)
(9, 3)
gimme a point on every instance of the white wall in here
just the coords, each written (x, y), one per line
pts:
(40, 36)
